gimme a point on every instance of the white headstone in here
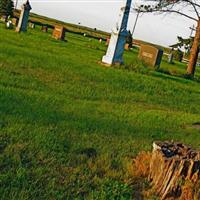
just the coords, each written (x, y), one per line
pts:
(9, 24)
(115, 49)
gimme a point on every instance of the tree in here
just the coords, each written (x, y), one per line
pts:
(6, 8)
(185, 43)
(179, 7)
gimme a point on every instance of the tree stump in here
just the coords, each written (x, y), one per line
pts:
(171, 166)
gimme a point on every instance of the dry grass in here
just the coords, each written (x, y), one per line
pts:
(141, 164)
(187, 191)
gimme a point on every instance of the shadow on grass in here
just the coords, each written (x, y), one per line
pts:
(47, 111)
(171, 74)
(181, 78)
(138, 189)
(140, 67)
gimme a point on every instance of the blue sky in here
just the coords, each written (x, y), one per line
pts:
(103, 14)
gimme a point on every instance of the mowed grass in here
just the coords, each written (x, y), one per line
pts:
(69, 127)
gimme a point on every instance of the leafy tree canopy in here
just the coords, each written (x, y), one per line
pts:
(6, 8)
(186, 43)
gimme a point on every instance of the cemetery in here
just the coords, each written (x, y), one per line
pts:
(90, 115)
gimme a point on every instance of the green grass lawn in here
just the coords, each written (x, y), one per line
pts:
(69, 127)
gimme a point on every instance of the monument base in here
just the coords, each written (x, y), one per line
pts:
(109, 65)
(105, 64)
(107, 60)
(17, 30)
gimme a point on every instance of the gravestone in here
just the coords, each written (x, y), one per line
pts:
(9, 24)
(44, 29)
(31, 25)
(127, 46)
(151, 55)
(15, 21)
(107, 41)
(59, 33)
(115, 49)
(170, 58)
(23, 20)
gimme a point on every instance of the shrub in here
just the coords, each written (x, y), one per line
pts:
(178, 55)
(6, 8)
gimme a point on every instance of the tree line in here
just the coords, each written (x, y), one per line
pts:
(6, 8)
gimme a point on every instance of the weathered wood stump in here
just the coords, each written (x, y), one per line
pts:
(171, 165)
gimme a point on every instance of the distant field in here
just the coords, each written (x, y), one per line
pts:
(77, 28)
(69, 127)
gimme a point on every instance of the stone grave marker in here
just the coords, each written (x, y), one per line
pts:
(59, 33)
(170, 56)
(44, 29)
(127, 46)
(107, 41)
(9, 24)
(31, 25)
(151, 55)
(15, 21)
(23, 20)
(115, 50)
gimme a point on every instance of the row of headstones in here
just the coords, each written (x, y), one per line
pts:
(22, 23)
(149, 54)
(58, 33)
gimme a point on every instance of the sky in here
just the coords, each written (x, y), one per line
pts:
(103, 15)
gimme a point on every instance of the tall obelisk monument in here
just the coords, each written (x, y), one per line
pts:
(115, 49)
(23, 20)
